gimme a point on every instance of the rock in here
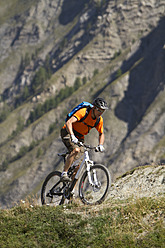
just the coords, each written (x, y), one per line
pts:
(141, 182)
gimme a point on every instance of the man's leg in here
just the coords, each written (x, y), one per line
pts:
(71, 158)
(69, 161)
(73, 152)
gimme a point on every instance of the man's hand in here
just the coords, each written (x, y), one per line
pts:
(74, 139)
(100, 148)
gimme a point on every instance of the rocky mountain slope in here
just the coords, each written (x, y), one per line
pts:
(112, 49)
(145, 181)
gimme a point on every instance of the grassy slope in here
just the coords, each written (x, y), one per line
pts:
(113, 224)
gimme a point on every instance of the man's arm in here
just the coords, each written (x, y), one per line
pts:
(101, 138)
(69, 124)
(100, 147)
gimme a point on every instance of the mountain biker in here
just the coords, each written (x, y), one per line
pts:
(74, 130)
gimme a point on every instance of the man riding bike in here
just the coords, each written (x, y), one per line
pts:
(74, 131)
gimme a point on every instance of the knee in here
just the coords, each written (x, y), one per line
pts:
(76, 151)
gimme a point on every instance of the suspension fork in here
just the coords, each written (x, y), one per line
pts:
(95, 181)
(89, 163)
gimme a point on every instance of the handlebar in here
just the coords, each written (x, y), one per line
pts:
(87, 146)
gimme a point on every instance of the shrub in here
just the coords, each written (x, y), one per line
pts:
(84, 80)
(96, 71)
(39, 79)
(39, 152)
(52, 127)
(4, 165)
(25, 93)
(4, 113)
(77, 83)
(118, 73)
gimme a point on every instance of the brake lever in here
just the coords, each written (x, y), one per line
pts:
(80, 144)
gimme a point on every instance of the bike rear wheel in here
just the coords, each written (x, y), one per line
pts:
(101, 180)
(52, 192)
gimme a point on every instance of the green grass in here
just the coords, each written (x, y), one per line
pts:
(113, 224)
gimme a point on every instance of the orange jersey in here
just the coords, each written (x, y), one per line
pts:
(84, 127)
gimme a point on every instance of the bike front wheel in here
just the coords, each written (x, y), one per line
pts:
(52, 192)
(95, 191)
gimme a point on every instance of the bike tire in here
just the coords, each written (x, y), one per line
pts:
(95, 195)
(52, 192)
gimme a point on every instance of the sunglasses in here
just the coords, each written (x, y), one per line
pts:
(100, 110)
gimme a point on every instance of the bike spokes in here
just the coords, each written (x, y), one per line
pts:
(52, 190)
(94, 189)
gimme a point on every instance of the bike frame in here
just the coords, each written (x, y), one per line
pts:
(88, 164)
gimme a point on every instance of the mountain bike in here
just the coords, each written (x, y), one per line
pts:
(93, 186)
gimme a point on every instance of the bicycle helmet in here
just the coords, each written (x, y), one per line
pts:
(100, 103)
